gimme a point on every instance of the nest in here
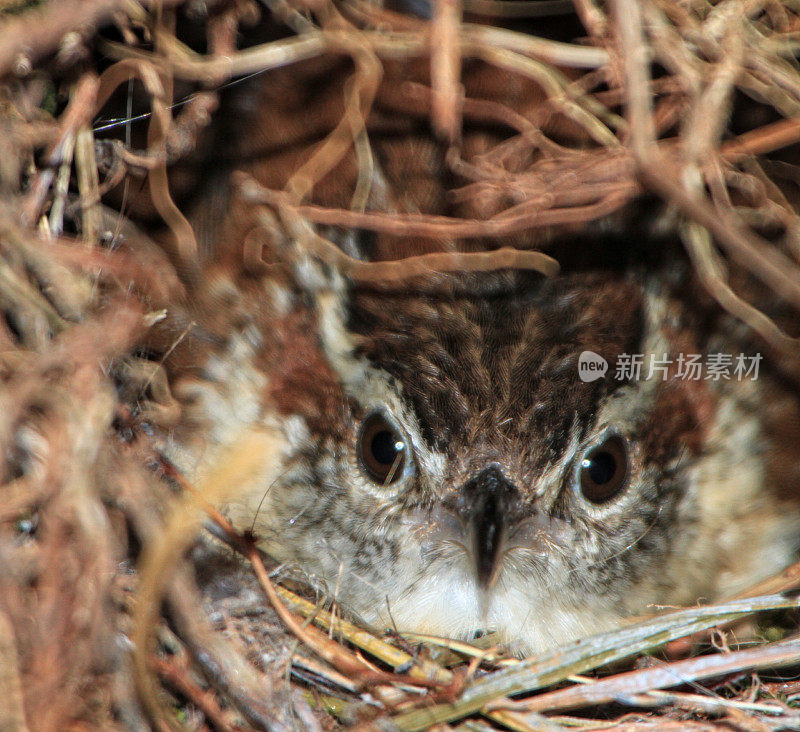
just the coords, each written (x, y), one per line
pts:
(113, 613)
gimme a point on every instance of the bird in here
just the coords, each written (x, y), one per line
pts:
(441, 464)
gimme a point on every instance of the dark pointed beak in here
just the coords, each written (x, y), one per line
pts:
(486, 503)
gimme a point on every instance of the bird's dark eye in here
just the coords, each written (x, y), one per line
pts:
(381, 449)
(603, 470)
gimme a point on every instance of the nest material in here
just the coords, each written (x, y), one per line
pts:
(102, 624)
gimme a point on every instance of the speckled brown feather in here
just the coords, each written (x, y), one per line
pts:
(495, 347)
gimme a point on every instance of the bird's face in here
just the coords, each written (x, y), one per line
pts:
(445, 469)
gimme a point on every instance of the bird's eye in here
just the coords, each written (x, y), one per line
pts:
(603, 470)
(382, 449)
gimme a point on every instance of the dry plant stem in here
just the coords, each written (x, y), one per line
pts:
(530, 722)
(671, 50)
(110, 267)
(362, 147)
(485, 655)
(222, 29)
(359, 92)
(676, 673)
(330, 651)
(78, 114)
(22, 387)
(195, 116)
(712, 274)
(323, 671)
(556, 87)
(553, 52)
(253, 693)
(440, 227)
(55, 219)
(756, 255)
(593, 19)
(372, 15)
(183, 235)
(636, 60)
(749, 250)
(41, 317)
(518, 8)
(326, 648)
(484, 109)
(210, 70)
(425, 264)
(365, 83)
(32, 35)
(775, 73)
(283, 11)
(568, 55)
(586, 654)
(74, 549)
(763, 140)
(446, 69)
(190, 66)
(760, 89)
(707, 118)
(419, 669)
(88, 184)
(178, 677)
(703, 704)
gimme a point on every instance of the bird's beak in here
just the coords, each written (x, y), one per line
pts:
(487, 503)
